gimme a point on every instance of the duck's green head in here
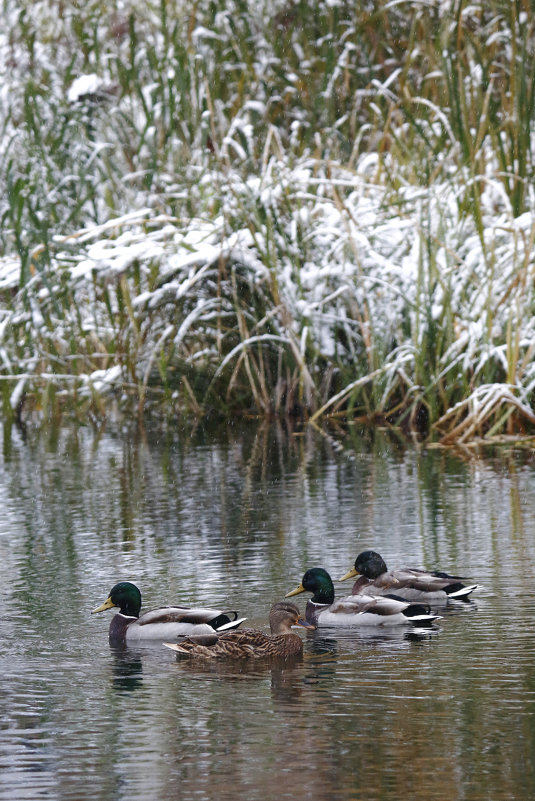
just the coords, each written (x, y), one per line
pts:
(126, 596)
(369, 564)
(319, 583)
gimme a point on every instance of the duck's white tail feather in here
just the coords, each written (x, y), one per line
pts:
(232, 625)
(464, 592)
(423, 620)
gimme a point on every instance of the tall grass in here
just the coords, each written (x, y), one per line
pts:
(288, 209)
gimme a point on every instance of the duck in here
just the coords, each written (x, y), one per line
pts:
(356, 610)
(164, 623)
(412, 584)
(250, 643)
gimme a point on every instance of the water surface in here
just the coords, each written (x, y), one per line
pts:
(232, 518)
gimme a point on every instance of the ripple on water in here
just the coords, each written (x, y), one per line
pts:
(444, 713)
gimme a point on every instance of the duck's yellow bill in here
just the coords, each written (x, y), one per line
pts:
(350, 574)
(295, 592)
(108, 603)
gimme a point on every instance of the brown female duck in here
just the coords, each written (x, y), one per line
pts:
(250, 643)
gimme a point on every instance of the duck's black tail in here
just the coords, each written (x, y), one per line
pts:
(227, 621)
(418, 614)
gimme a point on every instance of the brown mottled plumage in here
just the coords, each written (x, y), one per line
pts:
(250, 643)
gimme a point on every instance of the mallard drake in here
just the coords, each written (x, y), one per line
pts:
(165, 623)
(250, 643)
(409, 583)
(355, 610)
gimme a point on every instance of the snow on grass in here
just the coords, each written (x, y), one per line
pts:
(353, 285)
(328, 213)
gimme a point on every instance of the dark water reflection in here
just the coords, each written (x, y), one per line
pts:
(233, 517)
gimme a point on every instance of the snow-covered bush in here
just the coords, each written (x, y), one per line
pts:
(292, 208)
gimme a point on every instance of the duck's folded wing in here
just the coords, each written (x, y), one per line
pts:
(358, 604)
(253, 637)
(189, 648)
(231, 644)
(424, 581)
(201, 639)
(216, 618)
(389, 581)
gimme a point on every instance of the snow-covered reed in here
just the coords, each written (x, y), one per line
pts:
(213, 208)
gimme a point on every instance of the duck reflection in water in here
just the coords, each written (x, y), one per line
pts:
(321, 642)
(287, 677)
(127, 669)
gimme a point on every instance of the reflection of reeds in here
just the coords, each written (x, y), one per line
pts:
(330, 214)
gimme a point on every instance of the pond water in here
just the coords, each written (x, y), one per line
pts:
(232, 518)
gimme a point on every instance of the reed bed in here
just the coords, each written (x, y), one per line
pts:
(314, 209)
